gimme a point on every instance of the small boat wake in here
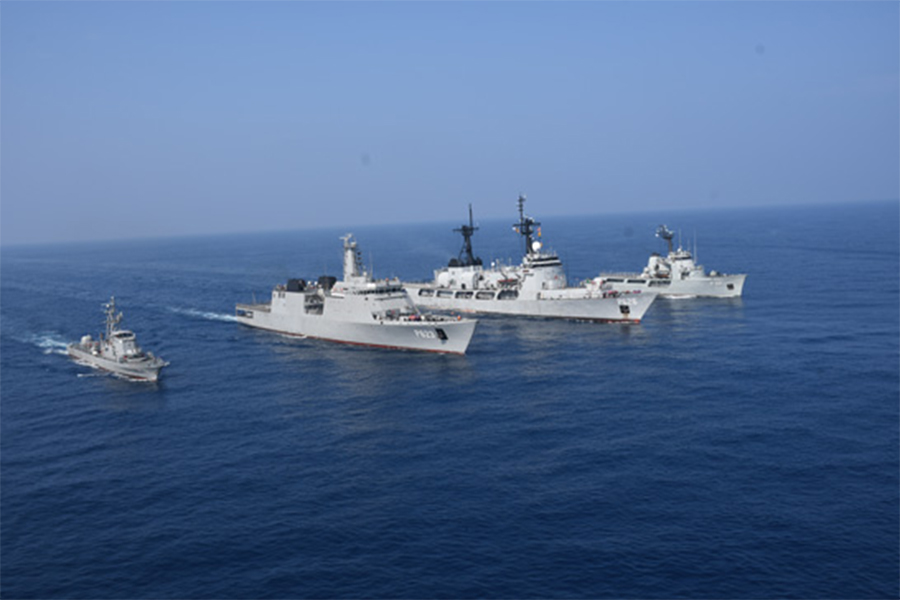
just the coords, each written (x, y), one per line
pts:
(202, 314)
(97, 374)
(50, 343)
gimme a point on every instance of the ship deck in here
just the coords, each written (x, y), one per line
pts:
(257, 307)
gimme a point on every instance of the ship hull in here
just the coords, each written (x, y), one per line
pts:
(441, 336)
(712, 286)
(572, 303)
(140, 370)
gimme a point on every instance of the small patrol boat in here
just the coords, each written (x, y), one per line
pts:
(116, 351)
(535, 288)
(676, 274)
(357, 310)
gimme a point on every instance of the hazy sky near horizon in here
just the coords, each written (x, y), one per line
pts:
(141, 119)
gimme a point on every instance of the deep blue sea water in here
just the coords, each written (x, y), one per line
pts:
(720, 449)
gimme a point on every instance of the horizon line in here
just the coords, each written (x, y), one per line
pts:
(630, 211)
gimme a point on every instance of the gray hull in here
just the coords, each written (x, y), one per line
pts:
(142, 369)
(443, 336)
(356, 310)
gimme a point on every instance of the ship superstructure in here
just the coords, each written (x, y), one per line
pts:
(537, 287)
(117, 350)
(676, 274)
(357, 310)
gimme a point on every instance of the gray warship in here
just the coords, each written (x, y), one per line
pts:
(116, 351)
(357, 310)
(535, 288)
(676, 274)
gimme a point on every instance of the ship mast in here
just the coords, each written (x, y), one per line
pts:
(466, 258)
(526, 227)
(112, 319)
(663, 232)
(353, 267)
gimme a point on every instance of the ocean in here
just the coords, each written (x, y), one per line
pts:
(742, 448)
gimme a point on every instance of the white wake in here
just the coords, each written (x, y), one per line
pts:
(50, 343)
(202, 314)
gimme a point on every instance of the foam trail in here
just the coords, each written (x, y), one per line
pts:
(201, 314)
(50, 343)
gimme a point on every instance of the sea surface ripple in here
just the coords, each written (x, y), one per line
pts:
(720, 449)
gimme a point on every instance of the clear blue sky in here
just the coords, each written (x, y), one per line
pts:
(139, 119)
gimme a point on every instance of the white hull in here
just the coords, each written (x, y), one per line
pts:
(141, 369)
(444, 336)
(568, 303)
(535, 288)
(711, 286)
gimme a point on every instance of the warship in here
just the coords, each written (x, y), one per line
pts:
(676, 274)
(357, 310)
(116, 351)
(535, 288)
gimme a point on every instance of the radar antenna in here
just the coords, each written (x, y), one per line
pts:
(526, 227)
(663, 232)
(112, 319)
(466, 258)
